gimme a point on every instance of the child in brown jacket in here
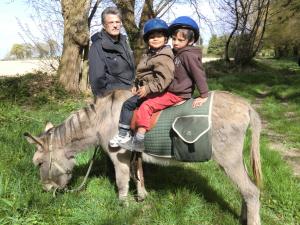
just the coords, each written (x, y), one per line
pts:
(153, 76)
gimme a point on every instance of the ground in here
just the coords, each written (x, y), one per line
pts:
(19, 67)
(289, 154)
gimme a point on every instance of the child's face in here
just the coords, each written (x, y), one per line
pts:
(156, 40)
(179, 41)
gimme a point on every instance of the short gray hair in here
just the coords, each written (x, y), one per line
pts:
(110, 10)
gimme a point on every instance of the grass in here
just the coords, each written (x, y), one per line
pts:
(189, 194)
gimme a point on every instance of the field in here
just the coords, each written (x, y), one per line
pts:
(21, 67)
(195, 193)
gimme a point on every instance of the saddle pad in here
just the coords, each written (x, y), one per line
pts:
(158, 140)
(191, 128)
(191, 140)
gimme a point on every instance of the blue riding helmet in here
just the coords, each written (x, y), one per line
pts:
(185, 22)
(155, 24)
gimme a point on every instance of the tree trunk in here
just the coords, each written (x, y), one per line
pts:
(83, 76)
(253, 16)
(226, 52)
(76, 37)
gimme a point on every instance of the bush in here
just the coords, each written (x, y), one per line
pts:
(32, 89)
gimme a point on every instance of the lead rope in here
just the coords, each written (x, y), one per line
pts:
(87, 173)
(85, 178)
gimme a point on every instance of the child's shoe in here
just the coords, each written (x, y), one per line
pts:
(117, 140)
(133, 145)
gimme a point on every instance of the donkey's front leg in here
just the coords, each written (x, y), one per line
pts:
(121, 161)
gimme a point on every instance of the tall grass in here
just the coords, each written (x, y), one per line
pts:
(195, 193)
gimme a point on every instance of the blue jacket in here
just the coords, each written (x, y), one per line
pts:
(111, 64)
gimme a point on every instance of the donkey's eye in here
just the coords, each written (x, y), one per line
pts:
(40, 164)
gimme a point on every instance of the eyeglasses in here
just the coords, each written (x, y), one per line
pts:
(112, 23)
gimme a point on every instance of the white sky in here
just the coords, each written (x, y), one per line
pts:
(10, 10)
(8, 24)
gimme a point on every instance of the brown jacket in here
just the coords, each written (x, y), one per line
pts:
(189, 72)
(155, 70)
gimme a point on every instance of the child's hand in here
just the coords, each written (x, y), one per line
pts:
(142, 92)
(198, 102)
(133, 90)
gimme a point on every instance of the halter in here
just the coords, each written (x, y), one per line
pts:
(53, 162)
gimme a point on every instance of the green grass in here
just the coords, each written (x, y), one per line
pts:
(197, 193)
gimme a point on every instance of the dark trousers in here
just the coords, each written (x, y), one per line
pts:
(127, 111)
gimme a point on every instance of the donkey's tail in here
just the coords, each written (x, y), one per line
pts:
(255, 124)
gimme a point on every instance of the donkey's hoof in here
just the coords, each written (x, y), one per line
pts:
(124, 202)
(141, 196)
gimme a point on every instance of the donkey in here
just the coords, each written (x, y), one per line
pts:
(97, 123)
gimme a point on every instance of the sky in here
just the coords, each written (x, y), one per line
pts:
(9, 28)
(11, 10)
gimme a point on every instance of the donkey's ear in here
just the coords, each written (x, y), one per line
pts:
(31, 139)
(49, 125)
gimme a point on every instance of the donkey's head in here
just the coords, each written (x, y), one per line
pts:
(54, 162)
(57, 146)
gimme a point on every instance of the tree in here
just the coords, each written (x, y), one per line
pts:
(148, 10)
(18, 50)
(28, 50)
(53, 48)
(77, 16)
(247, 21)
(283, 30)
(75, 39)
(42, 49)
(216, 45)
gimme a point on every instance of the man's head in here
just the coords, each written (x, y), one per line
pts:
(111, 20)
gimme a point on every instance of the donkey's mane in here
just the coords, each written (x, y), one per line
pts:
(74, 127)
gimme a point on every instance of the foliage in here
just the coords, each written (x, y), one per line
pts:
(196, 193)
(39, 50)
(216, 46)
(283, 30)
(246, 21)
(20, 51)
(33, 90)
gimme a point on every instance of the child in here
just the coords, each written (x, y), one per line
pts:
(154, 74)
(188, 61)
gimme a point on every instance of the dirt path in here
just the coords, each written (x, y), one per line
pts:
(277, 142)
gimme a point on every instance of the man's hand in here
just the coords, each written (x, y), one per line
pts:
(141, 92)
(198, 102)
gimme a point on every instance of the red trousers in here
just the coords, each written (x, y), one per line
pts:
(154, 104)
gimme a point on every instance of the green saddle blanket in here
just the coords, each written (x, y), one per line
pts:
(182, 132)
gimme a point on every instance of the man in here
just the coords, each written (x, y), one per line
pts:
(111, 63)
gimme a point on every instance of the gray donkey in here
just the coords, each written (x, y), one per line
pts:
(97, 123)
